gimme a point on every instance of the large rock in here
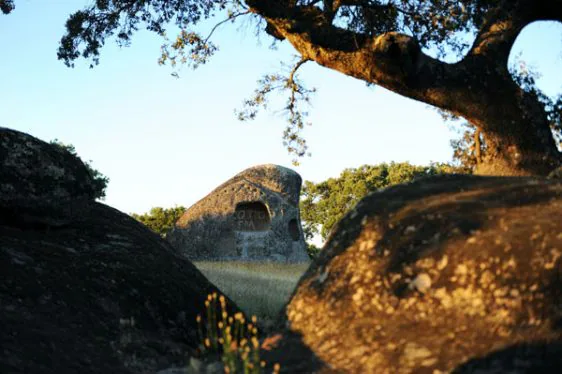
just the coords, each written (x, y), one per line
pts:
(41, 184)
(454, 273)
(253, 216)
(100, 294)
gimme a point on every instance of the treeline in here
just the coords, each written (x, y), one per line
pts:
(160, 220)
(323, 204)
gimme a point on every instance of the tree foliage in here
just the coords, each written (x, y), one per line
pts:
(160, 220)
(6, 6)
(100, 180)
(323, 204)
(403, 45)
(88, 29)
(312, 250)
(298, 96)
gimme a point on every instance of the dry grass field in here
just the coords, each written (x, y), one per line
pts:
(260, 289)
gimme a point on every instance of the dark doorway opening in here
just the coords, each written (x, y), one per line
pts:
(251, 216)
(294, 230)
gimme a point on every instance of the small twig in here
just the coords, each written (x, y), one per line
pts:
(230, 18)
(294, 87)
(296, 67)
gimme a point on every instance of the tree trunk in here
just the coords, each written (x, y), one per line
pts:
(479, 87)
(516, 130)
(514, 157)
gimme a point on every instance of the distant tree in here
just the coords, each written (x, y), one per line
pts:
(323, 204)
(160, 220)
(404, 46)
(312, 250)
(100, 180)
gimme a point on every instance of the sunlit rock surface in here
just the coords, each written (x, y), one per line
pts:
(253, 216)
(453, 273)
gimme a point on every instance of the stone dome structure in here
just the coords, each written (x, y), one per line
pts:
(254, 216)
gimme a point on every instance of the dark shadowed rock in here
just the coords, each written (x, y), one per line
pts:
(40, 185)
(253, 216)
(99, 294)
(454, 273)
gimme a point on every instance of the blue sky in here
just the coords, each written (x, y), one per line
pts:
(164, 141)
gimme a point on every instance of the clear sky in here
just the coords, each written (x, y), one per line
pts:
(164, 141)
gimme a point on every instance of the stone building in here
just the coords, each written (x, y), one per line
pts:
(254, 216)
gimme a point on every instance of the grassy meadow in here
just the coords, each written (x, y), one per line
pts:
(259, 289)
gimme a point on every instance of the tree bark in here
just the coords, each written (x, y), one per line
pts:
(517, 133)
(478, 88)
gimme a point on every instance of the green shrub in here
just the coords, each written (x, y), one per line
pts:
(160, 220)
(100, 180)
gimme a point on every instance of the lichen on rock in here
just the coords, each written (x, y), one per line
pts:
(451, 273)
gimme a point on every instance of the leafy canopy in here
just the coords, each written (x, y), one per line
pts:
(443, 26)
(160, 220)
(399, 44)
(325, 203)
